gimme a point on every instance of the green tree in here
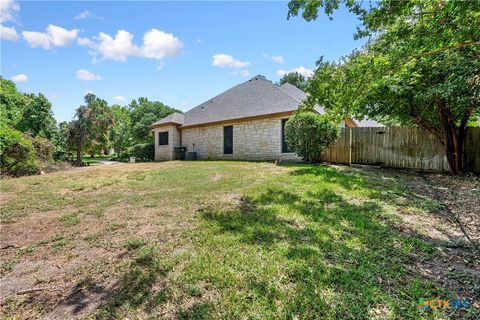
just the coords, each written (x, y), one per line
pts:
(100, 119)
(308, 134)
(91, 126)
(143, 114)
(78, 131)
(37, 117)
(11, 103)
(421, 66)
(17, 154)
(120, 136)
(294, 78)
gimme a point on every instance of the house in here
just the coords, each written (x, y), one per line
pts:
(245, 123)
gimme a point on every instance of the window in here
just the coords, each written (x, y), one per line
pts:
(284, 143)
(163, 138)
(228, 140)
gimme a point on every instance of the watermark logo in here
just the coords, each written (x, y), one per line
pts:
(424, 304)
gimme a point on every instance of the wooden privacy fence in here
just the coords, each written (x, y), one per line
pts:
(398, 147)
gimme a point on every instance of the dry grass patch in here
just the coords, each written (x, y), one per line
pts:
(204, 240)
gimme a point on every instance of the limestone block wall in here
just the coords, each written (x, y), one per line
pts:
(166, 152)
(259, 139)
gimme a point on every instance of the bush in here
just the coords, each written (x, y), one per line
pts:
(124, 155)
(17, 154)
(144, 151)
(308, 134)
(43, 149)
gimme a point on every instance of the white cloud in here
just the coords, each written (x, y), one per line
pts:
(8, 10)
(223, 60)
(19, 78)
(86, 75)
(119, 99)
(54, 36)
(85, 42)
(277, 59)
(84, 15)
(61, 37)
(36, 39)
(118, 48)
(307, 73)
(156, 45)
(7, 33)
(244, 73)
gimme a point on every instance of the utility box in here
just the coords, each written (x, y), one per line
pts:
(131, 160)
(180, 153)
(191, 155)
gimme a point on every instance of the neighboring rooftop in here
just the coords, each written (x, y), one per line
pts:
(366, 122)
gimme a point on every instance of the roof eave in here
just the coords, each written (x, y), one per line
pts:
(256, 117)
(153, 126)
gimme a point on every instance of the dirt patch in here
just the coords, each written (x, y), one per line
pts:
(444, 210)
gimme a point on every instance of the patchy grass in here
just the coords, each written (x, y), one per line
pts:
(223, 240)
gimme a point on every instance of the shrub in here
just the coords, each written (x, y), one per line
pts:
(308, 134)
(144, 151)
(43, 149)
(17, 154)
(124, 155)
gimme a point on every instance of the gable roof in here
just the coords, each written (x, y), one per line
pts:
(255, 97)
(174, 118)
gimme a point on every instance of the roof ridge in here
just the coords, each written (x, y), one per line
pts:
(288, 94)
(230, 89)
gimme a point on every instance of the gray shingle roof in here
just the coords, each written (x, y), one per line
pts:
(176, 118)
(366, 122)
(255, 97)
(298, 94)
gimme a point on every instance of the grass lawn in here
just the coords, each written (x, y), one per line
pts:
(231, 240)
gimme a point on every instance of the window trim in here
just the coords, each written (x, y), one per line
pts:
(159, 140)
(284, 146)
(224, 146)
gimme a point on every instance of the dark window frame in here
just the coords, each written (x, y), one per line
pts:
(284, 143)
(227, 147)
(161, 140)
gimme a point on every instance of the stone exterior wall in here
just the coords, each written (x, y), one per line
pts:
(252, 140)
(166, 152)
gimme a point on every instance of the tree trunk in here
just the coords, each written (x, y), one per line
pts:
(79, 154)
(453, 138)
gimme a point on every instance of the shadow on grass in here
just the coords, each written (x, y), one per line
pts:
(136, 289)
(343, 259)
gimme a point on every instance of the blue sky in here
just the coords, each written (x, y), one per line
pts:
(180, 53)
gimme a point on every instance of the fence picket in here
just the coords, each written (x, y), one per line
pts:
(400, 147)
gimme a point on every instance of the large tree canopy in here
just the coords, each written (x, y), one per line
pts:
(37, 117)
(144, 113)
(91, 126)
(421, 66)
